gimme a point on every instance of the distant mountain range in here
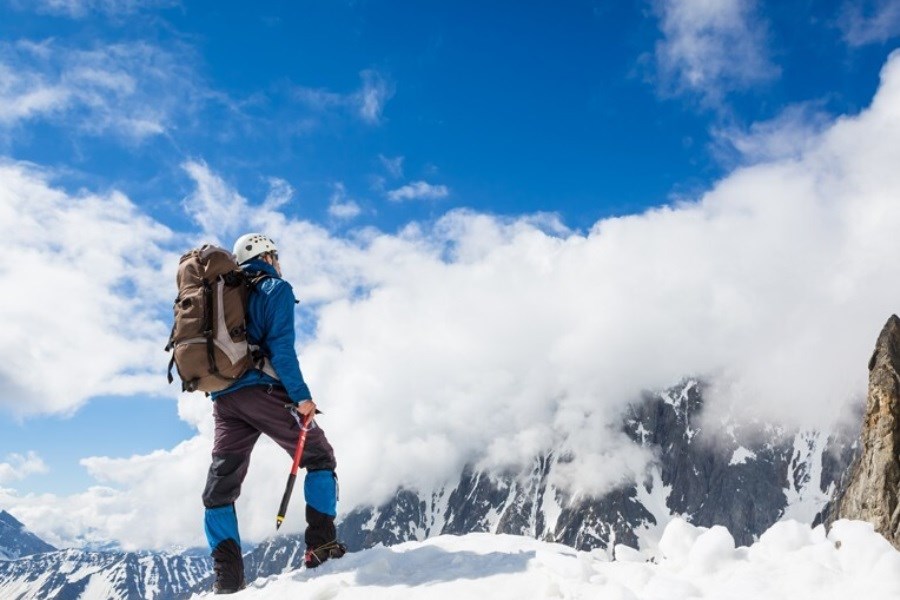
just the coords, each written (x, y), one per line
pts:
(33, 569)
(746, 488)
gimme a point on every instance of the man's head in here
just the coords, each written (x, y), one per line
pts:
(256, 245)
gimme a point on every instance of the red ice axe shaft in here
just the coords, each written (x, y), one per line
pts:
(298, 452)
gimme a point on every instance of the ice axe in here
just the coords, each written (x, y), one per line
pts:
(298, 452)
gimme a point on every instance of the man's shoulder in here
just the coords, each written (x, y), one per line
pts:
(270, 285)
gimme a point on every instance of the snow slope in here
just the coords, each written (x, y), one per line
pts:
(790, 561)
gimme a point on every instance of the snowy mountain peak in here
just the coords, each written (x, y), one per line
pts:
(17, 541)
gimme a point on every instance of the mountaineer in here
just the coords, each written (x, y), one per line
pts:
(256, 403)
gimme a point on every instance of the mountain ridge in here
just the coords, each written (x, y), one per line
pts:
(16, 541)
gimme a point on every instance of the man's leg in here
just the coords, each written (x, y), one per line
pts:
(270, 416)
(320, 489)
(234, 439)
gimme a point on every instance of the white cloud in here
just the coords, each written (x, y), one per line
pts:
(789, 135)
(24, 95)
(18, 466)
(342, 207)
(870, 21)
(418, 190)
(344, 210)
(280, 194)
(711, 47)
(487, 340)
(132, 91)
(214, 205)
(84, 275)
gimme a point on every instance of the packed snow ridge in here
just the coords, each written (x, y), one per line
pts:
(790, 561)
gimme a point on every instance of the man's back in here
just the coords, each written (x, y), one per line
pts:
(270, 325)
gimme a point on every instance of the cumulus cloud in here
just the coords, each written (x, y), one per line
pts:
(131, 91)
(487, 340)
(83, 275)
(18, 466)
(340, 206)
(711, 48)
(418, 190)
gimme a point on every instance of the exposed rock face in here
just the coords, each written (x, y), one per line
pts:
(871, 491)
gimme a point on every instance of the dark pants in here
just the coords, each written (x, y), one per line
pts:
(240, 417)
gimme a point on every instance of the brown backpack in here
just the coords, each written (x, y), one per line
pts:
(209, 337)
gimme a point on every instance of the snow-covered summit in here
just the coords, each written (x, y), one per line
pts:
(791, 560)
(16, 540)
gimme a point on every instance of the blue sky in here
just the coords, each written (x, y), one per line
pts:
(357, 121)
(514, 107)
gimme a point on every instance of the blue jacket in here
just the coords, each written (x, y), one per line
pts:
(270, 325)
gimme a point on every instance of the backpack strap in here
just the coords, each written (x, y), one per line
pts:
(208, 325)
(255, 280)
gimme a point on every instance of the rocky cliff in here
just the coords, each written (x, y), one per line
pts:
(870, 492)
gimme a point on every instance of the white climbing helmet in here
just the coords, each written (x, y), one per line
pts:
(251, 245)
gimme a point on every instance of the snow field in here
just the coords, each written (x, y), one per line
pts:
(791, 561)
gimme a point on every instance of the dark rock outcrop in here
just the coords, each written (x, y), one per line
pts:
(871, 490)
